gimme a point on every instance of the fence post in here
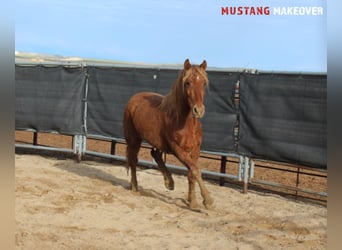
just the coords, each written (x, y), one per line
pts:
(35, 138)
(245, 171)
(245, 174)
(251, 169)
(223, 169)
(240, 169)
(79, 146)
(113, 149)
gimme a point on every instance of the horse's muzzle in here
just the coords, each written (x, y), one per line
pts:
(198, 112)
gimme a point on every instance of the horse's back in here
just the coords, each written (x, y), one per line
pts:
(146, 98)
(143, 102)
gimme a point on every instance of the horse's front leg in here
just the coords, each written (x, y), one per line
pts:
(208, 202)
(195, 174)
(191, 195)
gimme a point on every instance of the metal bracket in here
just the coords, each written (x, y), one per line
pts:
(246, 171)
(79, 146)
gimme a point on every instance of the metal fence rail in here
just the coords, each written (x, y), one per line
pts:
(245, 171)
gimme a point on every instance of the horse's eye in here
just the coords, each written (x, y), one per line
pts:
(187, 84)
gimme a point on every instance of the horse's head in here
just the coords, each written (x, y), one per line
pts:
(194, 82)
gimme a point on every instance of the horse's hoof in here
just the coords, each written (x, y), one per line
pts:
(209, 204)
(170, 185)
(193, 205)
(134, 188)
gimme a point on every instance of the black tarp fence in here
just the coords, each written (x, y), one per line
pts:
(220, 116)
(283, 117)
(280, 117)
(49, 99)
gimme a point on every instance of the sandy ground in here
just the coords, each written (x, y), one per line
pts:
(60, 204)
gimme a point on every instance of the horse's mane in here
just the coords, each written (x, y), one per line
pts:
(173, 102)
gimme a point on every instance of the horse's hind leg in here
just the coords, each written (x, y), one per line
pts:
(157, 155)
(132, 158)
(133, 141)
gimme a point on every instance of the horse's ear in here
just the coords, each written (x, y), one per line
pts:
(187, 64)
(204, 65)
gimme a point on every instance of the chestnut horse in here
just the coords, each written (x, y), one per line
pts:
(170, 124)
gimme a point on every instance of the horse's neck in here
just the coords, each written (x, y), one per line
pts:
(186, 119)
(174, 104)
